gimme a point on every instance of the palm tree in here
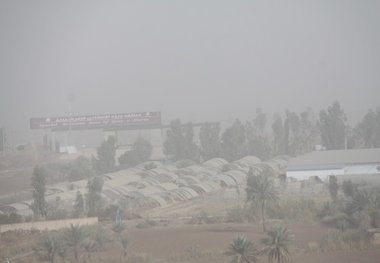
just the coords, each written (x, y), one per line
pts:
(118, 227)
(242, 251)
(369, 202)
(100, 238)
(63, 252)
(125, 242)
(90, 247)
(50, 244)
(260, 190)
(279, 244)
(74, 237)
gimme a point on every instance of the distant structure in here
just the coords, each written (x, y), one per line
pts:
(110, 124)
(334, 162)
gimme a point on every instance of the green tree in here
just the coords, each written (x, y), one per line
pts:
(74, 237)
(279, 244)
(79, 205)
(80, 169)
(242, 250)
(93, 196)
(179, 142)
(89, 246)
(100, 237)
(140, 152)
(233, 141)
(256, 144)
(349, 188)
(63, 252)
(143, 149)
(332, 127)
(210, 141)
(190, 146)
(50, 245)
(367, 200)
(118, 227)
(260, 190)
(260, 121)
(105, 163)
(308, 130)
(333, 187)
(294, 126)
(278, 134)
(125, 242)
(368, 130)
(39, 204)
(3, 139)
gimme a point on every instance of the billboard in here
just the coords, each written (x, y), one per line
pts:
(97, 121)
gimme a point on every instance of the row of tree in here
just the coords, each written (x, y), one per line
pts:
(80, 238)
(293, 135)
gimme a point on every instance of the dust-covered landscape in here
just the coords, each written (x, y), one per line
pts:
(189, 131)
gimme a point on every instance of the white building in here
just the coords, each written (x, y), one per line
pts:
(335, 162)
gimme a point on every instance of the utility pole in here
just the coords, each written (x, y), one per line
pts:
(3, 138)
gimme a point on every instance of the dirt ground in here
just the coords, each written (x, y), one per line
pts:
(160, 242)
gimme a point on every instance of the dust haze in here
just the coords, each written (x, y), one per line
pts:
(193, 60)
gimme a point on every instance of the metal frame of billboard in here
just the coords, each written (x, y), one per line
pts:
(102, 121)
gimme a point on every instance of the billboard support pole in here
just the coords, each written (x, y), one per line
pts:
(53, 141)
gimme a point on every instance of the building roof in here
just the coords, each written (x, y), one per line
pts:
(333, 157)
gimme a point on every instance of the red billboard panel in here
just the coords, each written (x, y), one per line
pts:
(97, 121)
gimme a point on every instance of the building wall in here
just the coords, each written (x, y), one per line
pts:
(322, 174)
(362, 169)
(50, 225)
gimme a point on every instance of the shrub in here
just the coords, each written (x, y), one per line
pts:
(15, 218)
(333, 187)
(240, 214)
(335, 220)
(203, 216)
(299, 209)
(193, 220)
(349, 188)
(58, 214)
(147, 223)
(357, 239)
(328, 209)
(109, 213)
(12, 218)
(150, 166)
(184, 163)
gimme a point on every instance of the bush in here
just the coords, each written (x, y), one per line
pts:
(15, 218)
(3, 219)
(147, 223)
(109, 213)
(150, 166)
(299, 209)
(349, 188)
(12, 218)
(329, 209)
(184, 163)
(57, 214)
(240, 214)
(335, 220)
(357, 239)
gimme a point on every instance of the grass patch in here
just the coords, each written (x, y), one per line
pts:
(357, 239)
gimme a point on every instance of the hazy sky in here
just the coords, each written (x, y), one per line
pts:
(195, 60)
